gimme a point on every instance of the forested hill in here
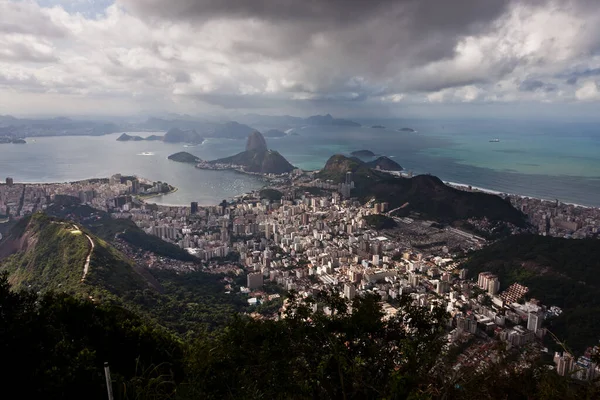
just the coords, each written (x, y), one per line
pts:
(424, 194)
(560, 272)
(45, 253)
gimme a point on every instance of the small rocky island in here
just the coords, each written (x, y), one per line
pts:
(363, 153)
(134, 138)
(184, 157)
(406, 130)
(10, 139)
(174, 135)
(257, 158)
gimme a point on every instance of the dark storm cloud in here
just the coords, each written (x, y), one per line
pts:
(408, 30)
(531, 85)
(445, 14)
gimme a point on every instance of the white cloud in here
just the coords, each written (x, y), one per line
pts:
(588, 91)
(164, 63)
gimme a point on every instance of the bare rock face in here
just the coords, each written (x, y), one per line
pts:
(256, 142)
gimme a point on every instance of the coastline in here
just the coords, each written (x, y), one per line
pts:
(465, 187)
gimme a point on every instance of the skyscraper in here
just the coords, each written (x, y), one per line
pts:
(534, 321)
(348, 178)
(194, 207)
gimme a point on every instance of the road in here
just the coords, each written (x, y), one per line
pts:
(86, 266)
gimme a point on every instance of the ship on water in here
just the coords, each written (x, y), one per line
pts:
(494, 140)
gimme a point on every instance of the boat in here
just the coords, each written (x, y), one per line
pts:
(494, 140)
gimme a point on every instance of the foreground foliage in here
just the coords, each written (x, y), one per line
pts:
(54, 346)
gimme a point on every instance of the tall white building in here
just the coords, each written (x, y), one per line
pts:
(534, 321)
(349, 291)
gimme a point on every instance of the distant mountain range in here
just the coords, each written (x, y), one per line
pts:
(19, 128)
(288, 121)
(173, 135)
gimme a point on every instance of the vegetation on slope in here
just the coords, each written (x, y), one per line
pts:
(55, 347)
(424, 194)
(560, 272)
(50, 254)
(184, 157)
(103, 225)
(379, 221)
(270, 194)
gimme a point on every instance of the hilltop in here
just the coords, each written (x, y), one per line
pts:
(176, 135)
(385, 163)
(45, 253)
(423, 194)
(257, 158)
(560, 272)
(363, 153)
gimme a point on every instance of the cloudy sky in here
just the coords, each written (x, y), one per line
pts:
(347, 57)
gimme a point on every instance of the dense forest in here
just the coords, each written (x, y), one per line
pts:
(55, 345)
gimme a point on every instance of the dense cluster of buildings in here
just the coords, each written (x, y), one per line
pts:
(553, 218)
(311, 242)
(117, 192)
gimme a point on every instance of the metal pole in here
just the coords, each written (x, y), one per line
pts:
(108, 381)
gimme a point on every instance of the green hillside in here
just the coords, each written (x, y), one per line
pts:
(103, 225)
(560, 272)
(44, 253)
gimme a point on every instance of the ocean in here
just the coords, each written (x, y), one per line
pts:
(550, 160)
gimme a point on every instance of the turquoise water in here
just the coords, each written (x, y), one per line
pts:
(541, 159)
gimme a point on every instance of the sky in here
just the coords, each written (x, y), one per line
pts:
(393, 58)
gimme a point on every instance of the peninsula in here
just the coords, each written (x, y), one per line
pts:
(257, 158)
(6, 140)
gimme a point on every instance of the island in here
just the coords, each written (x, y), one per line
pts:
(6, 140)
(320, 120)
(129, 138)
(406, 130)
(257, 158)
(173, 135)
(363, 153)
(378, 127)
(184, 157)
